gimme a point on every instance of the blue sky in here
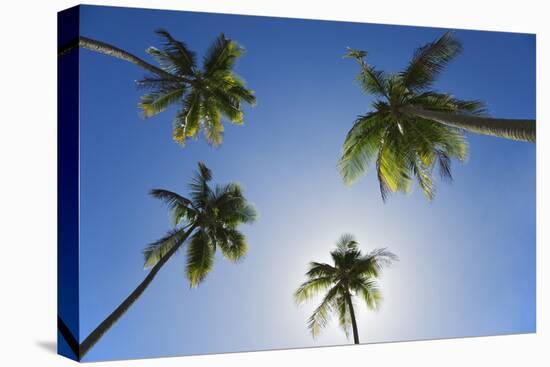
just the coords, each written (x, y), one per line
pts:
(467, 259)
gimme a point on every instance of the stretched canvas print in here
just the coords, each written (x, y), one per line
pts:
(239, 183)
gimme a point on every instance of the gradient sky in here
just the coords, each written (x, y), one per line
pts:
(467, 259)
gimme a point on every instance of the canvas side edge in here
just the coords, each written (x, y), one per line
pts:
(68, 185)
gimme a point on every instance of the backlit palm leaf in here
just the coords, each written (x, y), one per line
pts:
(369, 291)
(312, 288)
(352, 272)
(320, 317)
(156, 250)
(344, 316)
(361, 146)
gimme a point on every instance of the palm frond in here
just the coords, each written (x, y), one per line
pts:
(164, 60)
(233, 245)
(204, 173)
(433, 143)
(441, 102)
(321, 270)
(445, 138)
(474, 107)
(157, 83)
(424, 177)
(346, 253)
(156, 102)
(346, 242)
(228, 105)
(180, 206)
(156, 250)
(429, 60)
(383, 256)
(344, 315)
(238, 90)
(371, 264)
(200, 257)
(170, 198)
(356, 54)
(221, 55)
(365, 266)
(444, 163)
(213, 127)
(187, 121)
(320, 317)
(177, 51)
(232, 85)
(199, 189)
(371, 80)
(232, 206)
(370, 292)
(235, 209)
(245, 213)
(391, 164)
(361, 146)
(312, 288)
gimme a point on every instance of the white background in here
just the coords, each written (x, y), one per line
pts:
(28, 182)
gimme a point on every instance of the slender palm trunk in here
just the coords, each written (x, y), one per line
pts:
(522, 130)
(123, 307)
(353, 321)
(110, 50)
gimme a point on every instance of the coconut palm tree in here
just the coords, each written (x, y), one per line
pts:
(206, 220)
(412, 128)
(352, 274)
(205, 95)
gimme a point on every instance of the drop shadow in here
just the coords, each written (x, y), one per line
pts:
(48, 345)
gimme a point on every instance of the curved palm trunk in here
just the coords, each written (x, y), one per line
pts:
(110, 50)
(123, 307)
(353, 321)
(522, 130)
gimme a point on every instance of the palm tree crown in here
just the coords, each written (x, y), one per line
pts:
(204, 95)
(404, 144)
(209, 217)
(351, 274)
